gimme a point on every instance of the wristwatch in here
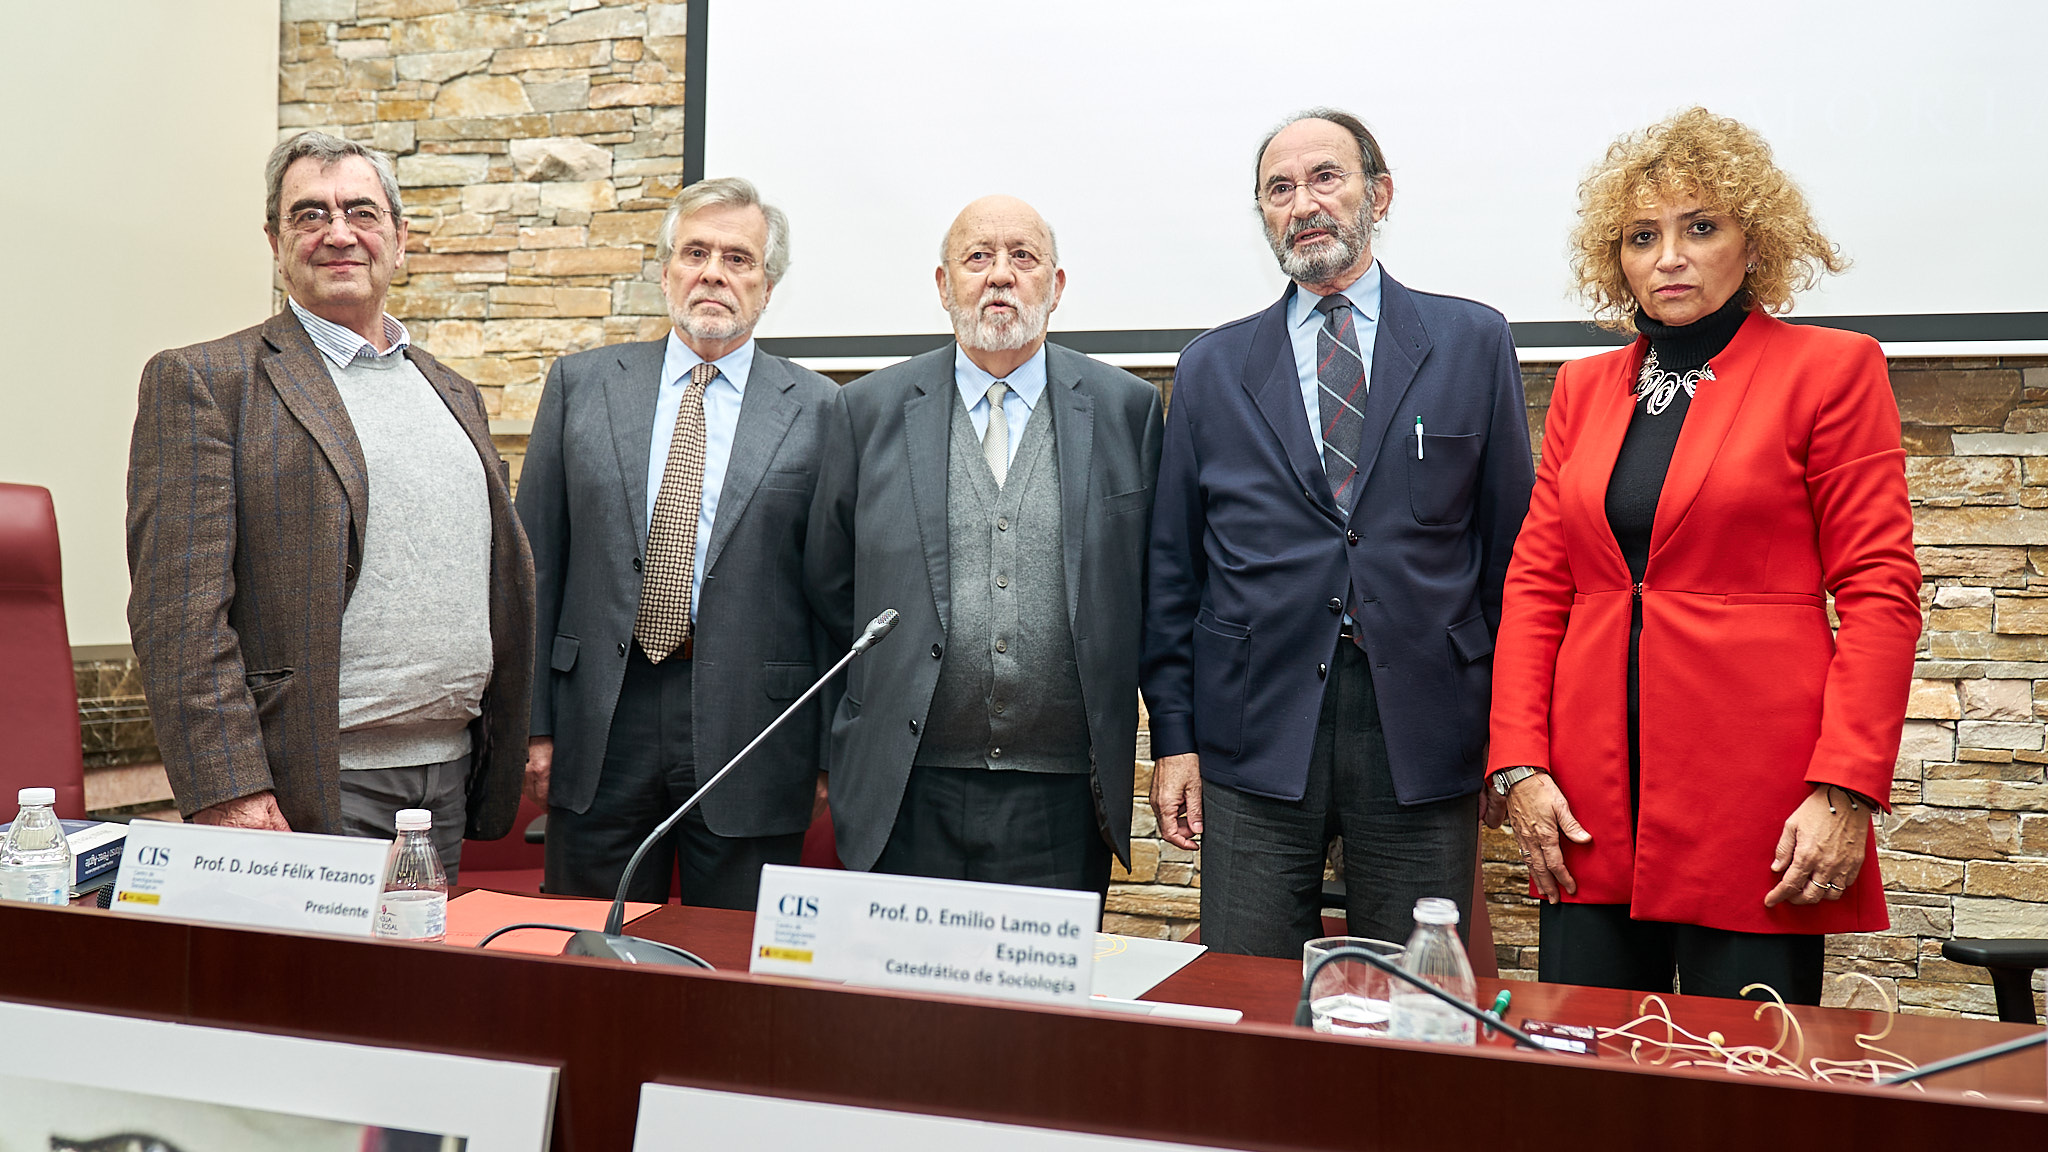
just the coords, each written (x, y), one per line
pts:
(1504, 781)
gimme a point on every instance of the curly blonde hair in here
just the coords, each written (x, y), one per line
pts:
(1728, 167)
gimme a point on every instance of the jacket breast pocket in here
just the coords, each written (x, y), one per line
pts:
(562, 657)
(786, 681)
(1222, 674)
(1123, 502)
(789, 480)
(1440, 484)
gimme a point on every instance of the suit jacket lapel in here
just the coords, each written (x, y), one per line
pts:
(1707, 421)
(448, 386)
(302, 381)
(1275, 387)
(766, 412)
(1609, 406)
(630, 393)
(927, 439)
(1399, 345)
(1073, 411)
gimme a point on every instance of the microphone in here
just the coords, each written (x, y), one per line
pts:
(877, 628)
(612, 943)
(1304, 1015)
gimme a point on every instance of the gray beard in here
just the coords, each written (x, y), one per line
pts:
(1328, 260)
(984, 335)
(712, 330)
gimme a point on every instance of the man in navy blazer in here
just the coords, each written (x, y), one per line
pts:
(1340, 487)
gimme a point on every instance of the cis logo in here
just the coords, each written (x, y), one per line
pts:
(801, 907)
(155, 855)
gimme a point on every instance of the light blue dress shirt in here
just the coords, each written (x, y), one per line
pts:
(342, 345)
(1027, 384)
(721, 418)
(1303, 322)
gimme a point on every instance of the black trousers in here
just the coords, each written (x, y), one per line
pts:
(1598, 945)
(1007, 827)
(1262, 859)
(650, 768)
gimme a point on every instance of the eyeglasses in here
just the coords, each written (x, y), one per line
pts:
(1280, 193)
(736, 263)
(981, 260)
(314, 221)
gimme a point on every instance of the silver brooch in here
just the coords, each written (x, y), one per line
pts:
(1656, 388)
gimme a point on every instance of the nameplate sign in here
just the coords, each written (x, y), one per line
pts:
(994, 940)
(248, 876)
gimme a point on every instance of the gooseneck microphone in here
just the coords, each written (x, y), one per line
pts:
(611, 942)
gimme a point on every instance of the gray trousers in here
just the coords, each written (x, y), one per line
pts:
(650, 768)
(1262, 859)
(371, 799)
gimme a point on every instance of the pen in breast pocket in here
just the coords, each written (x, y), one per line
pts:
(1418, 437)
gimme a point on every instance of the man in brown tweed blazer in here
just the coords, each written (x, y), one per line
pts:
(332, 597)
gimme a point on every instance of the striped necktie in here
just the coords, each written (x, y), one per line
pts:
(1340, 397)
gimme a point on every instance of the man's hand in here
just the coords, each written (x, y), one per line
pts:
(540, 760)
(256, 810)
(1539, 814)
(1177, 799)
(1821, 850)
(821, 798)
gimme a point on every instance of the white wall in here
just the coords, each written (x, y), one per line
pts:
(1916, 128)
(132, 202)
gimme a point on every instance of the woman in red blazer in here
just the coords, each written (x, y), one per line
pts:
(1690, 757)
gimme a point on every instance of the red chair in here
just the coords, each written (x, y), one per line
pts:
(38, 694)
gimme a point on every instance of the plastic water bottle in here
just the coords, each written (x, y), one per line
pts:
(1437, 955)
(35, 859)
(415, 901)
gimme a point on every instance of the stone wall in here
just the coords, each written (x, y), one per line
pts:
(539, 141)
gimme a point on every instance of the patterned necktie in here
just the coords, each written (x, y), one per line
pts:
(995, 443)
(663, 622)
(1340, 396)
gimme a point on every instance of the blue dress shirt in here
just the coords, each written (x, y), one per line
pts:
(1027, 384)
(721, 418)
(1303, 322)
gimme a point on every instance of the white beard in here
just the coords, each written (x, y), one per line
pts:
(977, 331)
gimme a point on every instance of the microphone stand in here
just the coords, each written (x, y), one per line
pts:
(1966, 1059)
(612, 943)
(1304, 1016)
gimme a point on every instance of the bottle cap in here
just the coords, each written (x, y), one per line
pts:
(1436, 910)
(36, 796)
(415, 820)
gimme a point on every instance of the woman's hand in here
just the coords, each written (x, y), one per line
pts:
(1821, 849)
(1538, 813)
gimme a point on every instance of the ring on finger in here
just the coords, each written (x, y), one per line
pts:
(1828, 886)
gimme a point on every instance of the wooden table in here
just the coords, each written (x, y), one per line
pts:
(1255, 1085)
(1267, 991)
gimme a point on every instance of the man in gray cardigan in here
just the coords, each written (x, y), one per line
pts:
(665, 491)
(332, 602)
(998, 493)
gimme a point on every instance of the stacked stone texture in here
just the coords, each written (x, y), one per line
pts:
(539, 142)
(537, 145)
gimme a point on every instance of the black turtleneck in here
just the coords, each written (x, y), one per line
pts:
(1645, 457)
(1638, 478)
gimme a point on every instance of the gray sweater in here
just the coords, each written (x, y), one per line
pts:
(416, 635)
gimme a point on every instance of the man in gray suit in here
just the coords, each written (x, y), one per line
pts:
(665, 490)
(997, 492)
